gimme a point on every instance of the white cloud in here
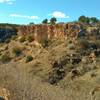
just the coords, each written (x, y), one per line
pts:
(23, 16)
(59, 14)
(10, 2)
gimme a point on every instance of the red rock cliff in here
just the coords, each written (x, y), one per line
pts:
(43, 31)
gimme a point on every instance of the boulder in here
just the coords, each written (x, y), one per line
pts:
(4, 94)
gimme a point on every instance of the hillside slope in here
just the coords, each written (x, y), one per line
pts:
(62, 69)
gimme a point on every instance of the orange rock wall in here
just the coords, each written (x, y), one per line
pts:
(44, 31)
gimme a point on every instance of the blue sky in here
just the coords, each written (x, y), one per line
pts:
(26, 11)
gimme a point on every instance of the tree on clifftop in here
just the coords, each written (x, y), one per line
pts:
(45, 21)
(94, 20)
(84, 19)
(88, 20)
(53, 20)
(31, 23)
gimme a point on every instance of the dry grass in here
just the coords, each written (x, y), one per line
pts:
(30, 81)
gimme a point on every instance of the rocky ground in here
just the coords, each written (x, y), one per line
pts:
(60, 70)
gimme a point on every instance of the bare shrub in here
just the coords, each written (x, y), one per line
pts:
(5, 58)
(17, 51)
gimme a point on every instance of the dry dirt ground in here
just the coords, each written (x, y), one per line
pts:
(58, 72)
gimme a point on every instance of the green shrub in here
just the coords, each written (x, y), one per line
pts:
(29, 58)
(5, 58)
(17, 51)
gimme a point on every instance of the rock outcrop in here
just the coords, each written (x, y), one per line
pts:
(4, 94)
(44, 32)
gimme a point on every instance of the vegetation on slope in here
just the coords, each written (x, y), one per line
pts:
(59, 69)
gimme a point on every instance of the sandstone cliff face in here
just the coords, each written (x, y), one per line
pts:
(45, 32)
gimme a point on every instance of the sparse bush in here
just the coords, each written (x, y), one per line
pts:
(7, 40)
(97, 42)
(1, 98)
(5, 58)
(17, 51)
(71, 46)
(70, 41)
(22, 39)
(83, 44)
(56, 76)
(14, 37)
(1, 44)
(93, 74)
(30, 38)
(29, 58)
(45, 43)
